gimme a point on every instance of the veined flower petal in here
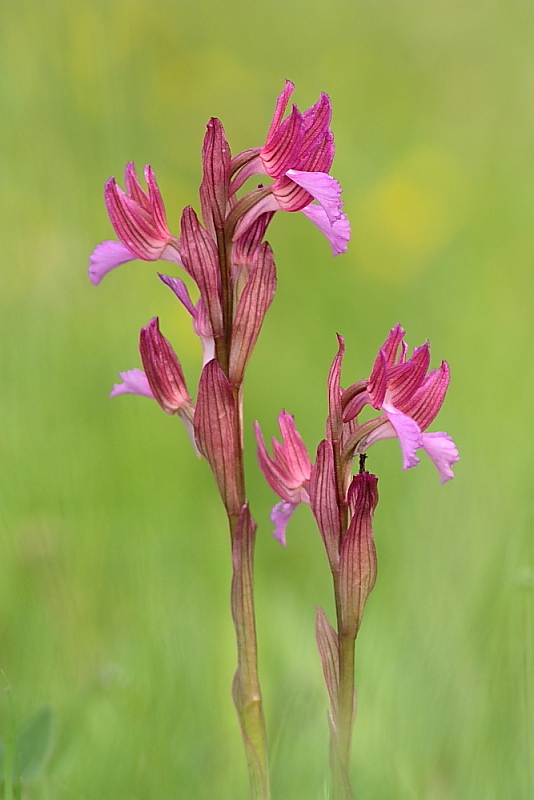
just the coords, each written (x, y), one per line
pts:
(316, 128)
(391, 345)
(282, 148)
(251, 308)
(405, 379)
(428, 399)
(279, 111)
(377, 384)
(162, 368)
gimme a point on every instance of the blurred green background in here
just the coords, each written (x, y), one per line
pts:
(114, 567)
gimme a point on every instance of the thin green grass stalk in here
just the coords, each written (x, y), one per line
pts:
(9, 751)
(528, 667)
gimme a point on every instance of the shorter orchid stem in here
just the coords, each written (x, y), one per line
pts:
(341, 731)
(346, 697)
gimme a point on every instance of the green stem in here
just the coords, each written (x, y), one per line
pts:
(346, 697)
(341, 733)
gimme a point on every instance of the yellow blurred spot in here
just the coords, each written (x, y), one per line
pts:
(401, 223)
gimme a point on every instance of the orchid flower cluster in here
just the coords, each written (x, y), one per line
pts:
(233, 270)
(408, 397)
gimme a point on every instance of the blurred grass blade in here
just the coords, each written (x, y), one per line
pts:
(33, 743)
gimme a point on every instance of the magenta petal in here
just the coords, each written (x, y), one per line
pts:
(357, 554)
(337, 234)
(441, 449)
(251, 308)
(391, 345)
(266, 205)
(334, 423)
(272, 472)
(323, 187)
(377, 385)
(281, 150)
(280, 107)
(106, 256)
(279, 515)
(293, 451)
(162, 369)
(180, 290)
(134, 381)
(316, 127)
(215, 432)
(408, 433)
(200, 260)
(324, 502)
(426, 402)
(216, 176)
(405, 379)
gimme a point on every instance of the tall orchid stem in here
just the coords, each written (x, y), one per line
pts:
(341, 731)
(246, 685)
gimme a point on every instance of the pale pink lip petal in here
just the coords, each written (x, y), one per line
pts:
(338, 234)
(408, 433)
(323, 187)
(106, 256)
(279, 516)
(134, 381)
(441, 449)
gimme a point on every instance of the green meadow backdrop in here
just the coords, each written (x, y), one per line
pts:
(114, 565)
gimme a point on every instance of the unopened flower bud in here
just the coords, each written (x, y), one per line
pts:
(357, 556)
(162, 369)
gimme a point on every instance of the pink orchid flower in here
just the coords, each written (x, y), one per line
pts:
(287, 472)
(163, 378)
(298, 154)
(138, 219)
(410, 397)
